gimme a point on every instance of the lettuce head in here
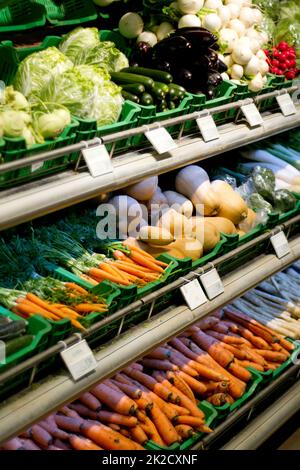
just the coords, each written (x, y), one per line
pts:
(106, 55)
(77, 44)
(37, 70)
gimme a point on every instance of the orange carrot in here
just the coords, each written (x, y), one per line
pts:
(271, 356)
(239, 372)
(144, 403)
(195, 385)
(89, 279)
(135, 271)
(101, 275)
(111, 270)
(117, 401)
(41, 303)
(30, 309)
(150, 383)
(76, 287)
(247, 364)
(82, 443)
(184, 400)
(108, 438)
(113, 426)
(119, 255)
(71, 312)
(163, 425)
(272, 365)
(83, 411)
(138, 435)
(116, 418)
(87, 308)
(212, 346)
(232, 340)
(220, 399)
(184, 431)
(178, 380)
(150, 429)
(190, 420)
(179, 410)
(144, 261)
(216, 387)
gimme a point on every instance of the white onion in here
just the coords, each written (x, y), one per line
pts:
(148, 37)
(229, 37)
(188, 21)
(257, 83)
(190, 7)
(241, 54)
(236, 71)
(247, 17)
(237, 26)
(225, 14)
(212, 22)
(253, 66)
(234, 10)
(213, 4)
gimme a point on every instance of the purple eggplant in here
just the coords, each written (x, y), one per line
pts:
(141, 54)
(200, 38)
(171, 49)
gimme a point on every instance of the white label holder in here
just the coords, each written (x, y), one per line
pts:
(79, 359)
(286, 104)
(280, 244)
(208, 128)
(252, 115)
(193, 294)
(161, 140)
(98, 160)
(212, 283)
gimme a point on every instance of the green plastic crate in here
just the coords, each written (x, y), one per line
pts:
(242, 92)
(21, 16)
(210, 417)
(41, 330)
(69, 12)
(149, 115)
(242, 258)
(252, 387)
(15, 149)
(88, 129)
(224, 94)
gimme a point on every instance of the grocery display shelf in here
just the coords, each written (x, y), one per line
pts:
(267, 422)
(35, 199)
(23, 409)
(257, 420)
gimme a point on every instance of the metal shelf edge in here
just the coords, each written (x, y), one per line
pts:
(39, 198)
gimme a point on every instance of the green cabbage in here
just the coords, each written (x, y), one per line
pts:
(78, 43)
(37, 69)
(87, 92)
(107, 55)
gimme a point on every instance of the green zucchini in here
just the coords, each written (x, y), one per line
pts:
(16, 344)
(127, 78)
(172, 105)
(159, 91)
(130, 96)
(146, 99)
(163, 106)
(134, 88)
(159, 75)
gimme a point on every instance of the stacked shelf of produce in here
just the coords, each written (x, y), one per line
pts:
(171, 397)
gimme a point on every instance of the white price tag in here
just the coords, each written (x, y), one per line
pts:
(79, 359)
(212, 284)
(208, 128)
(161, 140)
(36, 166)
(286, 104)
(280, 244)
(98, 160)
(252, 115)
(193, 294)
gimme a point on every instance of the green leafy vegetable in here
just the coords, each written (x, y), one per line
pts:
(284, 201)
(37, 70)
(107, 55)
(77, 44)
(87, 92)
(264, 182)
(257, 203)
